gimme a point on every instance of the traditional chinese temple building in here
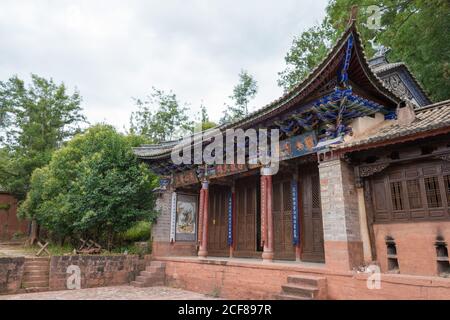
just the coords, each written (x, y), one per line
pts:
(364, 178)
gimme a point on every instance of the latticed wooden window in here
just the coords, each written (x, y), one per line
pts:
(315, 186)
(447, 186)
(287, 196)
(414, 196)
(433, 192)
(396, 193)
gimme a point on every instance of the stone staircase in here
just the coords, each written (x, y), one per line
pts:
(154, 275)
(304, 288)
(36, 274)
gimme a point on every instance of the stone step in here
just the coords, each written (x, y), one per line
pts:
(36, 277)
(160, 273)
(36, 259)
(35, 284)
(36, 289)
(300, 290)
(307, 280)
(138, 284)
(154, 269)
(158, 264)
(148, 283)
(37, 263)
(289, 297)
(35, 270)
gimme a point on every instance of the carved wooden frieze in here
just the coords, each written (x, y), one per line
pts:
(396, 85)
(367, 171)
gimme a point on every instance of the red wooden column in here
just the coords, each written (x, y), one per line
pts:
(203, 252)
(266, 214)
(200, 217)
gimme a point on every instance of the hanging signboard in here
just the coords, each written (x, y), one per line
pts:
(230, 218)
(297, 146)
(185, 178)
(295, 220)
(173, 214)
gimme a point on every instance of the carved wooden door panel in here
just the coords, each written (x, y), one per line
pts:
(282, 219)
(311, 216)
(246, 212)
(218, 221)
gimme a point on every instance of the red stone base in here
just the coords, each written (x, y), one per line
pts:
(343, 255)
(174, 249)
(239, 279)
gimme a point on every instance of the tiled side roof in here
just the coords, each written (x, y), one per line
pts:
(429, 118)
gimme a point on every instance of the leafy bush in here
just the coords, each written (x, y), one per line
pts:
(139, 232)
(93, 187)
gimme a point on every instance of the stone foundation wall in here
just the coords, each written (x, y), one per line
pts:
(235, 280)
(416, 252)
(11, 273)
(96, 271)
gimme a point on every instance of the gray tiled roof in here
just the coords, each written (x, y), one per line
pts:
(428, 118)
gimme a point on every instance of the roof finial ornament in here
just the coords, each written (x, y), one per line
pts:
(353, 14)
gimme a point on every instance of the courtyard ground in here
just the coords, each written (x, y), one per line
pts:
(113, 293)
(14, 249)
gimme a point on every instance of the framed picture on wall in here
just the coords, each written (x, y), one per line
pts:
(186, 227)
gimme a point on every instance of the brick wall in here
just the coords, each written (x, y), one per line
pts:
(9, 223)
(96, 271)
(11, 273)
(416, 252)
(340, 215)
(238, 280)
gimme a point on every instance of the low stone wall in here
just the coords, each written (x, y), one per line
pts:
(246, 280)
(96, 271)
(11, 273)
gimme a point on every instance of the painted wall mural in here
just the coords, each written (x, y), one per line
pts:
(186, 227)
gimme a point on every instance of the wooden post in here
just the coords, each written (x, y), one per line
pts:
(203, 252)
(233, 214)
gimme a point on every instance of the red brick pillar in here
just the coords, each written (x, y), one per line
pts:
(266, 214)
(203, 252)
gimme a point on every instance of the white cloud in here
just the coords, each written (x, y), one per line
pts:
(115, 50)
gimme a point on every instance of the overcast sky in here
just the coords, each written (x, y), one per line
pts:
(112, 51)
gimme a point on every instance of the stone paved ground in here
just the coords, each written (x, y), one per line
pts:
(112, 293)
(14, 250)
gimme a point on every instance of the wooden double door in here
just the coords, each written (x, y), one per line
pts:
(218, 220)
(282, 206)
(248, 222)
(311, 215)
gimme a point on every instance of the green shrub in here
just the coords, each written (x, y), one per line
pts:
(138, 232)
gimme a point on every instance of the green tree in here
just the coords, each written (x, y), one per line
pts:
(34, 121)
(204, 122)
(92, 187)
(417, 31)
(243, 93)
(161, 117)
(306, 52)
